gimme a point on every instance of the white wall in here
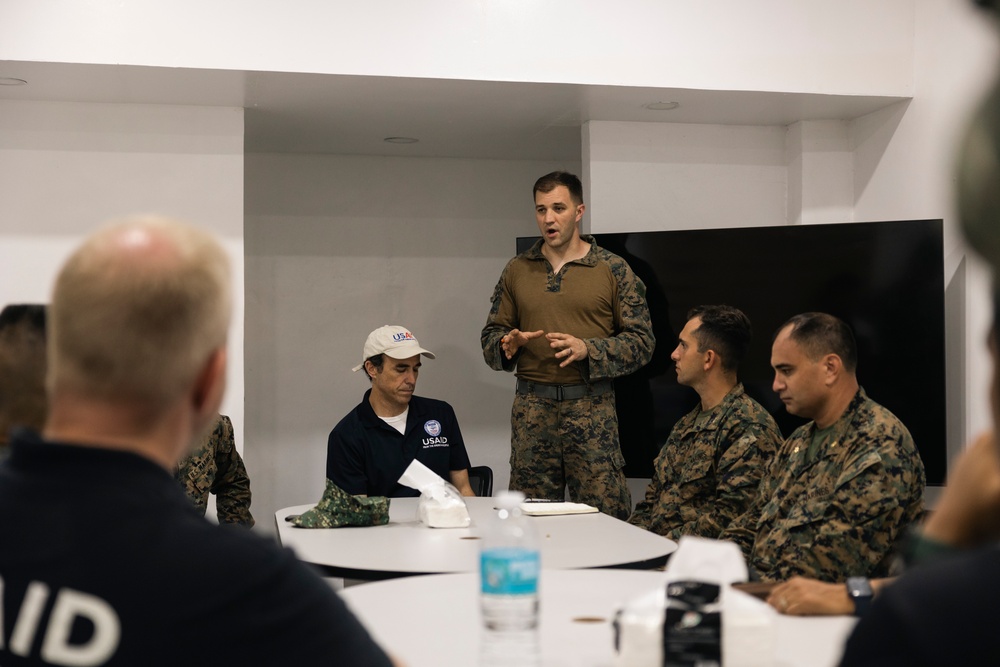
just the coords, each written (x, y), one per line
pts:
(820, 172)
(904, 168)
(337, 246)
(849, 46)
(65, 168)
(651, 176)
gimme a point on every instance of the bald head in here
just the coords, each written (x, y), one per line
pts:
(137, 311)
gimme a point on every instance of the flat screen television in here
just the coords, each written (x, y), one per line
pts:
(885, 279)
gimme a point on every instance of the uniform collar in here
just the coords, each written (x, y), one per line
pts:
(590, 259)
(719, 412)
(845, 422)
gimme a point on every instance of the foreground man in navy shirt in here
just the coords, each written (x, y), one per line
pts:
(944, 610)
(371, 447)
(104, 560)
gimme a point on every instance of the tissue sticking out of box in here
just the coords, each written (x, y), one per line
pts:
(441, 505)
(712, 561)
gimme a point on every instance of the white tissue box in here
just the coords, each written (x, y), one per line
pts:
(748, 625)
(442, 506)
(451, 515)
(749, 629)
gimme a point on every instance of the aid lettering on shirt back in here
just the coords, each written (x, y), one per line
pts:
(68, 607)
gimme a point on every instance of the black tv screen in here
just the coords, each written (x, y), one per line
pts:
(885, 279)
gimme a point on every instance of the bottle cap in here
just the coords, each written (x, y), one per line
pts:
(507, 500)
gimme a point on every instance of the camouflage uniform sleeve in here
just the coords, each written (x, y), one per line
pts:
(196, 471)
(501, 319)
(642, 516)
(854, 533)
(632, 346)
(738, 474)
(658, 510)
(743, 529)
(232, 485)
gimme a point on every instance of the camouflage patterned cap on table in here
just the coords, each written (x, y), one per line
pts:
(339, 508)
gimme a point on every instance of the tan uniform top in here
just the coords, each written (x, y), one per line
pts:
(596, 298)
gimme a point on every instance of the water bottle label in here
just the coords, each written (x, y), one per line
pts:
(510, 572)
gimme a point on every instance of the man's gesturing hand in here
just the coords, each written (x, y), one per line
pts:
(515, 339)
(569, 348)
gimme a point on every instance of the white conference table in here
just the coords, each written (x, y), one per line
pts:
(434, 621)
(404, 546)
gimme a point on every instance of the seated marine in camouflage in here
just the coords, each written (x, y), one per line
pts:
(844, 487)
(708, 471)
(214, 466)
(22, 370)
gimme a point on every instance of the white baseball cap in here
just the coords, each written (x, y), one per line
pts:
(394, 341)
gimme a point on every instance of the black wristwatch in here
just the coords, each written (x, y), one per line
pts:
(860, 591)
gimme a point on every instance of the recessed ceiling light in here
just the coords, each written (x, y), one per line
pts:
(400, 140)
(11, 81)
(662, 106)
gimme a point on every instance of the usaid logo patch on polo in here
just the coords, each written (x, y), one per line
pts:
(400, 337)
(433, 428)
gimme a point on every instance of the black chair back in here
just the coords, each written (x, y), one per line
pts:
(481, 480)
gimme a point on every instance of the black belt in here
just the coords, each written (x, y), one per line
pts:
(563, 392)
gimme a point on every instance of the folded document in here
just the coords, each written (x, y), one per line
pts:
(538, 508)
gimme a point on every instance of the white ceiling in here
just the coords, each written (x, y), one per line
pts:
(351, 115)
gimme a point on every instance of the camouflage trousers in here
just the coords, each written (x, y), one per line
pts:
(574, 443)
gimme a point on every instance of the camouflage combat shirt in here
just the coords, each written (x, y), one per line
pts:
(708, 471)
(596, 298)
(838, 514)
(214, 466)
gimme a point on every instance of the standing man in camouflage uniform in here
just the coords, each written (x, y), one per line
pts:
(214, 466)
(569, 316)
(842, 488)
(708, 471)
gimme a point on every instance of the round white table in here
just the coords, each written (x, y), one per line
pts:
(405, 546)
(434, 621)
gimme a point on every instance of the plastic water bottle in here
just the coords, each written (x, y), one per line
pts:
(510, 564)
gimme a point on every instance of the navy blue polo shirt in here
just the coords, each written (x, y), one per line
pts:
(364, 455)
(108, 537)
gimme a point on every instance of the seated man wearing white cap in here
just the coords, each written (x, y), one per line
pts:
(371, 447)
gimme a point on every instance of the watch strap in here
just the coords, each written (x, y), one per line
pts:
(859, 589)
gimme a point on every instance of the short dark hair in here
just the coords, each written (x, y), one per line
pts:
(30, 315)
(377, 361)
(820, 334)
(550, 182)
(22, 367)
(724, 329)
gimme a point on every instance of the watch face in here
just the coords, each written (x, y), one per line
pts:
(859, 587)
